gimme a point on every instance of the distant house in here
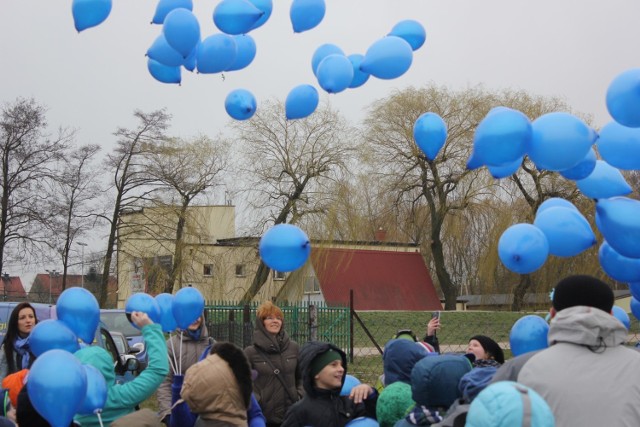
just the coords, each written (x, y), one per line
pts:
(380, 279)
(47, 288)
(12, 289)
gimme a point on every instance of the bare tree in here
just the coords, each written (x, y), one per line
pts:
(290, 165)
(72, 196)
(27, 155)
(130, 181)
(184, 170)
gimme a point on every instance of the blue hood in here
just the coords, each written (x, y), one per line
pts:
(399, 358)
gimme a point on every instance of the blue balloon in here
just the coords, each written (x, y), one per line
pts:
(503, 171)
(165, 6)
(349, 382)
(529, 333)
(583, 169)
(502, 137)
(618, 267)
(474, 161)
(635, 307)
(335, 73)
(359, 76)
(634, 288)
(622, 316)
(96, 395)
(618, 223)
(216, 54)
(623, 98)
(164, 73)
(188, 305)
(387, 58)
(566, 230)
(620, 146)
(411, 31)
(301, 102)
(190, 61)
(555, 202)
(89, 13)
(144, 303)
(57, 386)
(306, 14)
(52, 334)
(604, 182)
(79, 310)
(245, 52)
(165, 303)
(236, 16)
(559, 141)
(284, 248)
(240, 104)
(182, 31)
(266, 6)
(362, 422)
(161, 52)
(430, 134)
(523, 248)
(322, 52)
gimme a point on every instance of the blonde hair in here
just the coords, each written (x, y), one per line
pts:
(267, 309)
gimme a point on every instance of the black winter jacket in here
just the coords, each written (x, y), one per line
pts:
(325, 408)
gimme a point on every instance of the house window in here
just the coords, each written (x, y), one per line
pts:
(207, 270)
(240, 270)
(279, 275)
(311, 285)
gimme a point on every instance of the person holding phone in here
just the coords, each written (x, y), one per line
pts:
(432, 327)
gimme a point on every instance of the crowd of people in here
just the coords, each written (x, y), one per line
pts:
(587, 376)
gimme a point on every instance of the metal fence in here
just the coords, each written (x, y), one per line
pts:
(363, 334)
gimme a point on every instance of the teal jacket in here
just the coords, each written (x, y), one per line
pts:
(122, 398)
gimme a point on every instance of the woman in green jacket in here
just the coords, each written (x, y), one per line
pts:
(123, 398)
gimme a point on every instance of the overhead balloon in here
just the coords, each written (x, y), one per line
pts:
(502, 137)
(322, 52)
(620, 146)
(411, 31)
(284, 248)
(635, 307)
(430, 134)
(335, 73)
(216, 54)
(245, 52)
(604, 182)
(182, 31)
(240, 104)
(89, 13)
(523, 248)
(503, 171)
(618, 223)
(566, 230)
(164, 73)
(559, 141)
(359, 76)
(236, 16)
(623, 98)
(618, 267)
(555, 202)
(301, 102)
(161, 52)
(306, 14)
(583, 169)
(266, 6)
(165, 6)
(388, 58)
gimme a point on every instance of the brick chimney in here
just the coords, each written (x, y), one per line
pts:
(381, 235)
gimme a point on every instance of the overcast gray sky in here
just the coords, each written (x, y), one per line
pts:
(94, 80)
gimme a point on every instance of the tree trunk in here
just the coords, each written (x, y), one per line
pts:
(262, 274)
(176, 268)
(519, 292)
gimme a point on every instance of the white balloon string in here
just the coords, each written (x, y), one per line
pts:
(174, 362)
(180, 366)
(100, 419)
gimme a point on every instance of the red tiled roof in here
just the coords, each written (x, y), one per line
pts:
(381, 280)
(12, 288)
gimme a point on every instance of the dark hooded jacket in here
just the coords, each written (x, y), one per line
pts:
(325, 408)
(283, 355)
(399, 358)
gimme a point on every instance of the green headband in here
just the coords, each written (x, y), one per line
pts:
(322, 360)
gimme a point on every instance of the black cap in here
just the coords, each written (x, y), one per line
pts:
(582, 290)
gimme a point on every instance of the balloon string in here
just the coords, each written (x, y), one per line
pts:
(173, 362)
(100, 419)
(180, 366)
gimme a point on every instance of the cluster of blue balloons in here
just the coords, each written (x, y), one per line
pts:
(284, 248)
(170, 311)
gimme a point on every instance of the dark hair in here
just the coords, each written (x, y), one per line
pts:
(12, 333)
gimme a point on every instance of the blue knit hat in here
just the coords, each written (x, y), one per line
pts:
(509, 404)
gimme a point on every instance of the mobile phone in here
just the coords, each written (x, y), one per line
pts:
(435, 315)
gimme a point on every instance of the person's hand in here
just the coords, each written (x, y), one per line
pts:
(433, 326)
(140, 319)
(360, 392)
